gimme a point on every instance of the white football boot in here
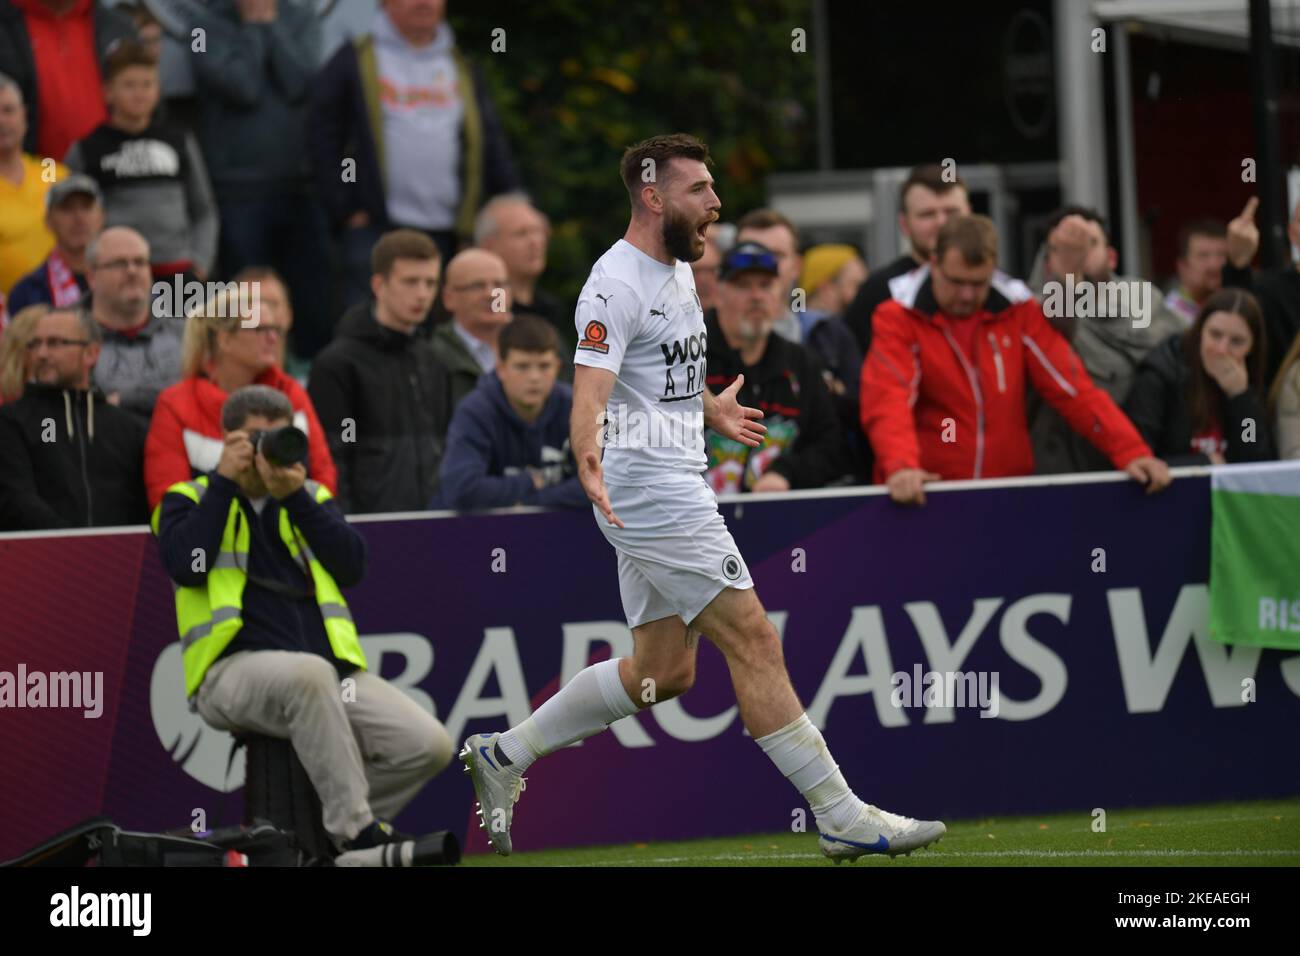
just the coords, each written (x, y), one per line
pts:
(496, 787)
(878, 831)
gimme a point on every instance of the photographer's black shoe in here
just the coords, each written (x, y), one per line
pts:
(377, 833)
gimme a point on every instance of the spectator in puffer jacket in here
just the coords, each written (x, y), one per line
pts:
(509, 438)
(1198, 398)
(221, 355)
(383, 396)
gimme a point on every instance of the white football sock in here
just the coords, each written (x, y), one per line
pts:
(801, 754)
(586, 705)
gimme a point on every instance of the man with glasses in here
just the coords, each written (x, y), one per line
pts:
(68, 459)
(477, 295)
(142, 351)
(943, 388)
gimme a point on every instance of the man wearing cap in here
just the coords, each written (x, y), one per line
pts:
(832, 274)
(74, 212)
(803, 446)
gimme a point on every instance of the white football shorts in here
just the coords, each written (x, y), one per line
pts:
(675, 554)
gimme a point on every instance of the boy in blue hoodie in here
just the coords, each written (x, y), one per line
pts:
(508, 443)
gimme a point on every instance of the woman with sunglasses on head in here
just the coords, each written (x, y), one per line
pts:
(1198, 397)
(222, 352)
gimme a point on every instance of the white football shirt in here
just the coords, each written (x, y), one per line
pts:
(641, 320)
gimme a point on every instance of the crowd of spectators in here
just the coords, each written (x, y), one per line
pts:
(364, 186)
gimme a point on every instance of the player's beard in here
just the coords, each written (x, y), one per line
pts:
(680, 237)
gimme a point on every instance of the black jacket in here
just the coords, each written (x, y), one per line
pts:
(834, 346)
(398, 396)
(19, 64)
(273, 619)
(1278, 292)
(870, 294)
(803, 444)
(1158, 406)
(68, 459)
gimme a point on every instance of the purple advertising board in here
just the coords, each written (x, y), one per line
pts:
(1082, 604)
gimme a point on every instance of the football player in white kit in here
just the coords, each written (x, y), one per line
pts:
(639, 395)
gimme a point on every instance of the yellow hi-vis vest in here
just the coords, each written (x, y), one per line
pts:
(208, 616)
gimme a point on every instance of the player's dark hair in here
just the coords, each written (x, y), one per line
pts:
(1199, 227)
(658, 149)
(527, 333)
(931, 176)
(1204, 396)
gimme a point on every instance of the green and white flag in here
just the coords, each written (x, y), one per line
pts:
(1255, 555)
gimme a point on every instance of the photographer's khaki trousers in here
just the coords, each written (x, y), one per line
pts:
(368, 749)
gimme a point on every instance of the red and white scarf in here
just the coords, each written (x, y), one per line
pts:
(62, 280)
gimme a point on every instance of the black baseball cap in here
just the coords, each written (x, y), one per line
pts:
(747, 257)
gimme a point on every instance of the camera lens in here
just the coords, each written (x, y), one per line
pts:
(284, 446)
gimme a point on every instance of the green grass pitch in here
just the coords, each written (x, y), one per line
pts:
(1260, 833)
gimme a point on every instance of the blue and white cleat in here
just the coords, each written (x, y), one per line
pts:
(496, 787)
(878, 831)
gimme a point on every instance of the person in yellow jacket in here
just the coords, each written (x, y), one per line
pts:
(258, 555)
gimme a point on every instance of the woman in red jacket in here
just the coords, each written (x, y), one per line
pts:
(218, 356)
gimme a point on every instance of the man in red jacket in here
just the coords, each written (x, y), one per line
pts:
(943, 387)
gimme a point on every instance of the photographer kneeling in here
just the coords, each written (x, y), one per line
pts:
(259, 554)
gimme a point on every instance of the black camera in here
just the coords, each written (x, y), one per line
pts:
(282, 446)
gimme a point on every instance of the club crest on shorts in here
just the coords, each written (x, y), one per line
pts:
(731, 567)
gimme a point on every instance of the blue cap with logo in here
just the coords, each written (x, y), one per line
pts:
(747, 257)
